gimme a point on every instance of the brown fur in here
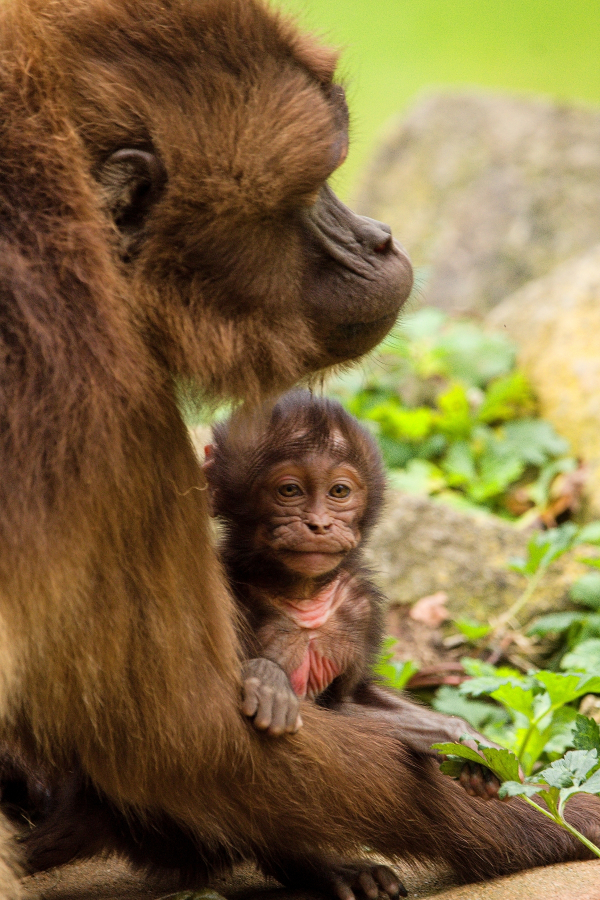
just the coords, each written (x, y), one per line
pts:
(117, 637)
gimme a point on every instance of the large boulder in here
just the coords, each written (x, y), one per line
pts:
(423, 546)
(555, 322)
(487, 192)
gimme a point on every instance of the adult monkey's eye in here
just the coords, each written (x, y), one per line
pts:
(290, 489)
(339, 491)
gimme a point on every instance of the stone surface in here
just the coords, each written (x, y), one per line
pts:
(555, 322)
(571, 881)
(487, 192)
(422, 546)
(112, 880)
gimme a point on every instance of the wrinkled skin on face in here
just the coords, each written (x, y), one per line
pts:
(310, 509)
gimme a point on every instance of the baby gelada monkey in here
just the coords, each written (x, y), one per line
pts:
(297, 487)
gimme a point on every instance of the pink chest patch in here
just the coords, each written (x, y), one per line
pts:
(315, 672)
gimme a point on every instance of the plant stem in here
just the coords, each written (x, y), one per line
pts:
(532, 725)
(521, 601)
(589, 844)
(563, 824)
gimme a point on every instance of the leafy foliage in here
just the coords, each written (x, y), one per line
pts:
(544, 548)
(578, 771)
(537, 707)
(455, 418)
(395, 674)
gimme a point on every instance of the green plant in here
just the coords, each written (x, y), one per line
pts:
(455, 418)
(543, 549)
(395, 674)
(578, 771)
(537, 706)
(581, 626)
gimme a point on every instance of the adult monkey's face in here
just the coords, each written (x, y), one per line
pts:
(211, 147)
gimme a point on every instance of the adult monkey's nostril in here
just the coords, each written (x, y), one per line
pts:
(385, 246)
(375, 236)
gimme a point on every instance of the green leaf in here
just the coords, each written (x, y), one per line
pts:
(457, 749)
(432, 447)
(459, 464)
(559, 734)
(455, 419)
(452, 767)
(515, 698)
(478, 668)
(418, 477)
(401, 424)
(472, 355)
(473, 631)
(561, 688)
(503, 763)
(534, 440)
(387, 645)
(589, 534)
(395, 453)
(509, 397)
(480, 715)
(586, 735)
(585, 657)
(591, 785)
(546, 546)
(484, 686)
(499, 466)
(517, 789)
(571, 770)
(396, 674)
(586, 590)
(518, 564)
(555, 622)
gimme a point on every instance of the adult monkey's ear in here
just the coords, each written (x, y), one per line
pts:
(132, 181)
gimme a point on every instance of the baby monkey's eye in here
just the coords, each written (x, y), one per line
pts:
(289, 489)
(339, 491)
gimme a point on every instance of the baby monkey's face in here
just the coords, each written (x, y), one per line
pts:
(310, 510)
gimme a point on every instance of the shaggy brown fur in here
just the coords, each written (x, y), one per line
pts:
(159, 164)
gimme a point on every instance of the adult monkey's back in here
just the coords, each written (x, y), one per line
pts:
(163, 217)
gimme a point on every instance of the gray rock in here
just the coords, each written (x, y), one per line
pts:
(487, 192)
(555, 322)
(422, 546)
(570, 881)
(101, 879)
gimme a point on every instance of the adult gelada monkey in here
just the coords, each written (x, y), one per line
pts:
(298, 487)
(165, 223)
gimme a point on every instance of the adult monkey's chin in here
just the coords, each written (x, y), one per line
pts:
(357, 278)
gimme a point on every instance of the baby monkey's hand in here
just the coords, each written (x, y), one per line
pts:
(268, 698)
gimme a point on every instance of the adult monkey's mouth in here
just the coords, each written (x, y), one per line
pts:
(357, 279)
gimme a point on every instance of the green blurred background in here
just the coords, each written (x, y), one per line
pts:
(396, 49)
